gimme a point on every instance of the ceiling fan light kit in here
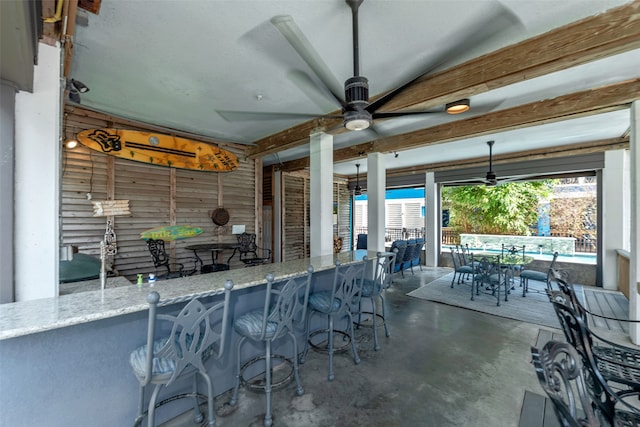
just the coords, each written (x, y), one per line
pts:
(458, 107)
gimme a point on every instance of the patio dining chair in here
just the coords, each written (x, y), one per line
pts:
(460, 271)
(579, 393)
(618, 363)
(401, 247)
(161, 260)
(541, 276)
(489, 278)
(250, 253)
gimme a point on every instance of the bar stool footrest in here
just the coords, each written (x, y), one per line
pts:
(324, 349)
(257, 383)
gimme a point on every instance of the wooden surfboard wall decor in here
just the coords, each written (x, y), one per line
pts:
(159, 149)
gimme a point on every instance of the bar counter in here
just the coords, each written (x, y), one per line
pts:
(68, 357)
(29, 317)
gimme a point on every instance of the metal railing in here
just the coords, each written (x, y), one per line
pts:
(586, 243)
(391, 234)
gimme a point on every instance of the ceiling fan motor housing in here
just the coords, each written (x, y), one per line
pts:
(356, 90)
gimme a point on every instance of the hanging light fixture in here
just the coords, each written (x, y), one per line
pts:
(357, 190)
(458, 107)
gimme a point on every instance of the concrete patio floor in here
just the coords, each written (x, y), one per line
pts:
(441, 366)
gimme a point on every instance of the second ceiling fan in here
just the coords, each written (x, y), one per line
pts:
(357, 112)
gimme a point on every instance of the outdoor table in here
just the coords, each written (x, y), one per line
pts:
(508, 261)
(214, 248)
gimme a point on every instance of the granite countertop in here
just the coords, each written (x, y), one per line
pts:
(39, 315)
(92, 285)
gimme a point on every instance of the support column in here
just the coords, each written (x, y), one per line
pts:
(37, 181)
(432, 220)
(7, 120)
(634, 273)
(376, 187)
(615, 213)
(321, 190)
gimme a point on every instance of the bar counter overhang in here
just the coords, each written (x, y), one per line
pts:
(65, 360)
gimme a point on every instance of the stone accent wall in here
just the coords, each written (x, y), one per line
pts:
(543, 244)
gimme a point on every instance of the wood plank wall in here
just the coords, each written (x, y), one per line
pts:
(342, 197)
(295, 241)
(158, 196)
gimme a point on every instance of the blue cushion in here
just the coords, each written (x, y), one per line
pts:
(465, 269)
(160, 365)
(320, 301)
(370, 288)
(250, 325)
(533, 275)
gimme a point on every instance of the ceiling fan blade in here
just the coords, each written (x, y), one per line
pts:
(290, 30)
(473, 36)
(318, 94)
(239, 116)
(392, 114)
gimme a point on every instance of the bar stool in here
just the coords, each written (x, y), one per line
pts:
(197, 334)
(373, 286)
(338, 302)
(284, 309)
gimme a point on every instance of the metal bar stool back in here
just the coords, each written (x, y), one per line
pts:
(337, 303)
(283, 313)
(197, 335)
(373, 287)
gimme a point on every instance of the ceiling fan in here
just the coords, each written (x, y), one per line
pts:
(358, 113)
(491, 178)
(357, 190)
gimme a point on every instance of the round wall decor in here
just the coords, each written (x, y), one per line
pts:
(220, 216)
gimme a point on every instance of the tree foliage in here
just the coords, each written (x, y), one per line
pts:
(509, 208)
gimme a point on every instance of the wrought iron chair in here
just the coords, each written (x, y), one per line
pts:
(514, 258)
(197, 334)
(377, 279)
(161, 260)
(401, 246)
(459, 270)
(579, 393)
(616, 362)
(417, 251)
(284, 310)
(599, 378)
(489, 277)
(541, 276)
(408, 257)
(339, 302)
(361, 242)
(250, 253)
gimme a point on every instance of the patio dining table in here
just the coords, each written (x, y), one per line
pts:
(214, 248)
(510, 261)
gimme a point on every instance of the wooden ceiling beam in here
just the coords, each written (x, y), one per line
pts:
(542, 153)
(571, 106)
(595, 101)
(596, 37)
